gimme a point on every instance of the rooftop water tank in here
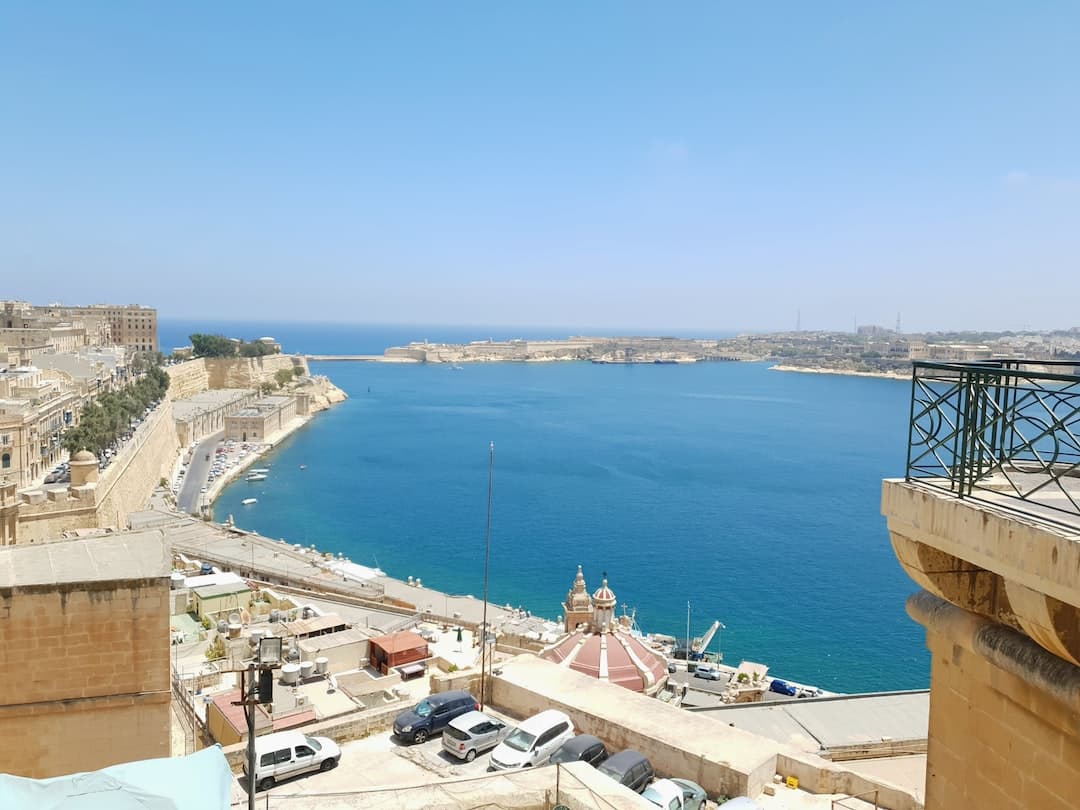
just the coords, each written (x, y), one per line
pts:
(306, 669)
(290, 673)
(257, 636)
(176, 580)
(322, 665)
(234, 629)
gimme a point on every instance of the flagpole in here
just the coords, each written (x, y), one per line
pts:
(487, 560)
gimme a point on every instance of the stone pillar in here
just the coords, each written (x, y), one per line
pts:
(1001, 608)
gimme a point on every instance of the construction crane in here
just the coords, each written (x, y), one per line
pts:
(700, 645)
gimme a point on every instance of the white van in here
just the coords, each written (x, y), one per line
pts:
(288, 753)
(533, 742)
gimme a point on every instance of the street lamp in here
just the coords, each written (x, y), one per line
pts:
(720, 643)
(257, 689)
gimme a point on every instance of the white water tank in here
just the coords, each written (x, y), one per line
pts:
(322, 665)
(176, 580)
(257, 636)
(306, 669)
(290, 673)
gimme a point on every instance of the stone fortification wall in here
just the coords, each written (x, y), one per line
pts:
(249, 372)
(124, 487)
(187, 379)
(86, 675)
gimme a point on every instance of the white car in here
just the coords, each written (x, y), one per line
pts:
(533, 742)
(290, 753)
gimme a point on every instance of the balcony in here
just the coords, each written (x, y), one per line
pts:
(987, 516)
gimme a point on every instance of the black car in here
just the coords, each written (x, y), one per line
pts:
(431, 715)
(629, 768)
(583, 748)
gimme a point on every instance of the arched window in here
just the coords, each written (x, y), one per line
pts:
(5, 461)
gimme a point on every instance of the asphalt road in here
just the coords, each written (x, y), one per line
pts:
(198, 470)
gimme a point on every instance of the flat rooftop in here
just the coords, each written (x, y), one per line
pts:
(826, 726)
(129, 555)
(184, 409)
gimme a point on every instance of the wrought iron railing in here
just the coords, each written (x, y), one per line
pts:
(998, 428)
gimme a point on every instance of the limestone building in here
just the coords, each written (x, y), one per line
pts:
(600, 645)
(84, 630)
(261, 419)
(987, 523)
(34, 412)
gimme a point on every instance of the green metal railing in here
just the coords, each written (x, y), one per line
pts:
(998, 428)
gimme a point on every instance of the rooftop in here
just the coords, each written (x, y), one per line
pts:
(131, 555)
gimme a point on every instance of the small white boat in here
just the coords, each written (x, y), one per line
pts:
(303, 466)
(249, 501)
(260, 470)
(257, 477)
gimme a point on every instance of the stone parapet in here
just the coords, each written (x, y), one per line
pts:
(991, 560)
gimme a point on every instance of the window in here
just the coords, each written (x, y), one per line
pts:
(284, 755)
(5, 461)
(304, 751)
(267, 759)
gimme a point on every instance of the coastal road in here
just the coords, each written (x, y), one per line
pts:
(188, 499)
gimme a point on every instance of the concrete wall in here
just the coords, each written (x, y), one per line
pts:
(85, 668)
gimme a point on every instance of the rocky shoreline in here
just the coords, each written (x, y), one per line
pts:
(887, 375)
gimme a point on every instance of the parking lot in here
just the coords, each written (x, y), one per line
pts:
(381, 760)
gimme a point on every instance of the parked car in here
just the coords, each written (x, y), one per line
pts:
(583, 748)
(628, 768)
(782, 688)
(290, 753)
(533, 742)
(431, 715)
(709, 673)
(676, 794)
(473, 732)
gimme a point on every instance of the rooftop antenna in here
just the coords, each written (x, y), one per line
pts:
(898, 323)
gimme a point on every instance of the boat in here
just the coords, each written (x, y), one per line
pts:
(303, 466)
(260, 470)
(249, 501)
(257, 477)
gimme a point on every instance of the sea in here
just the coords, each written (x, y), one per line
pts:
(704, 492)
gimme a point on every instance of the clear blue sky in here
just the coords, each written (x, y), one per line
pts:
(655, 165)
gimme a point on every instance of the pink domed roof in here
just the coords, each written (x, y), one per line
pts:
(617, 657)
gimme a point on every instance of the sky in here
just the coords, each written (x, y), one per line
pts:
(674, 166)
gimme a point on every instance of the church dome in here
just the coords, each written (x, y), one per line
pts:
(616, 657)
(604, 596)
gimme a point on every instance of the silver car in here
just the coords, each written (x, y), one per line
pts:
(468, 735)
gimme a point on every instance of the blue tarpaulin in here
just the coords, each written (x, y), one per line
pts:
(199, 781)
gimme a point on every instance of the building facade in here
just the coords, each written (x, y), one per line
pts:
(34, 412)
(84, 627)
(264, 418)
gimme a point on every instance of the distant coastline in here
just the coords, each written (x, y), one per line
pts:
(888, 375)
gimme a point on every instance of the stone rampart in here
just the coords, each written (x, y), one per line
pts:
(187, 379)
(249, 372)
(124, 487)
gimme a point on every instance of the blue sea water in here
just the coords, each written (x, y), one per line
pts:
(752, 494)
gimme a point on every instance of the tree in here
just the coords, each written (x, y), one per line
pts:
(212, 345)
(283, 376)
(298, 371)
